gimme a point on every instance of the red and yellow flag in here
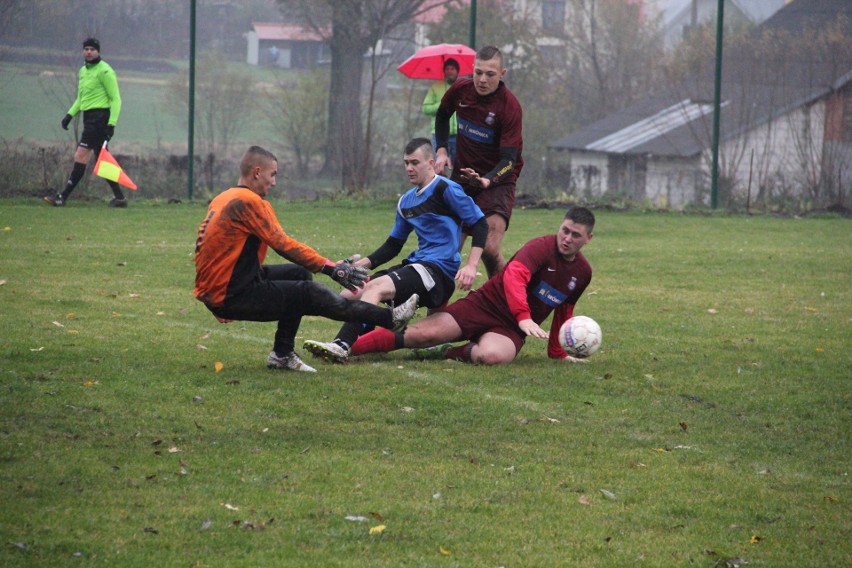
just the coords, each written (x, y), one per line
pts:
(107, 167)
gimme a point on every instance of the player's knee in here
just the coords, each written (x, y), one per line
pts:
(491, 356)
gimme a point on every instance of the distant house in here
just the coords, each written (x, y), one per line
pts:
(785, 127)
(288, 46)
(677, 17)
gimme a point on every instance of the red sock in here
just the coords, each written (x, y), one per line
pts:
(460, 352)
(380, 340)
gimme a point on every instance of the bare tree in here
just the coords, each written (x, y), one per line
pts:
(351, 28)
(299, 112)
(223, 106)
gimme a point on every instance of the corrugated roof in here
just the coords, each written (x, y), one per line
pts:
(651, 127)
(678, 122)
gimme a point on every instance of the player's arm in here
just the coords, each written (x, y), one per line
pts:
(516, 276)
(467, 273)
(387, 251)
(110, 84)
(508, 159)
(563, 313)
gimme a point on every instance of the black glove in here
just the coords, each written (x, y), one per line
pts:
(110, 130)
(66, 120)
(347, 275)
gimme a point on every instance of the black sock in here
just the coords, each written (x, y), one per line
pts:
(116, 190)
(76, 175)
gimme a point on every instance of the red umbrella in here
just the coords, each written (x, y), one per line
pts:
(428, 63)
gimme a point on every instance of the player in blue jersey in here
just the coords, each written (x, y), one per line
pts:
(434, 209)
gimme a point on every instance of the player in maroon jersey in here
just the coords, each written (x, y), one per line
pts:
(488, 145)
(548, 274)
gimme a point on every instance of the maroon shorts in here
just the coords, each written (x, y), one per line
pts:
(497, 200)
(476, 316)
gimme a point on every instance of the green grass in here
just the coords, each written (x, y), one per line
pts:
(108, 363)
(147, 118)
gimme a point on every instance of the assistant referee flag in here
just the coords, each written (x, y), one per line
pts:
(107, 167)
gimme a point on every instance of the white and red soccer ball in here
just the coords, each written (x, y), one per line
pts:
(580, 336)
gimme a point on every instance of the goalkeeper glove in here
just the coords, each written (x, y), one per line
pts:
(110, 130)
(347, 275)
(66, 120)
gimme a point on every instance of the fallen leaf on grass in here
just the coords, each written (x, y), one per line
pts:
(407, 409)
(583, 500)
(135, 295)
(219, 366)
(57, 324)
(206, 524)
(150, 530)
(36, 349)
(684, 426)
(174, 450)
(443, 551)
(608, 494)
(356, 518)
(755, 539)
(712, 311)
(376, 516)
(230, 507)
(378, 529)
(90, 383)
(201, 347)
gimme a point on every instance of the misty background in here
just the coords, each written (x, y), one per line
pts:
(338, 126)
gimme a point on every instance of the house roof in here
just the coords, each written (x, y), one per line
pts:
(284, 32)
(678, 122)
(755, 10)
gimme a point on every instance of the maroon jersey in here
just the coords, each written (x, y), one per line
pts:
(535, 282)
(485, 124)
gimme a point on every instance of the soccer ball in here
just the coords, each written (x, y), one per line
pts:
(580, 336)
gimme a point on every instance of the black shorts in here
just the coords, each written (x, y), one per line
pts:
(434, 290)
(94, 129)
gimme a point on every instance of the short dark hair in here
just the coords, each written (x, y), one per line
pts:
(452, 63)
(254, 156)
(582, 216)
(488, 53)
(416, 143)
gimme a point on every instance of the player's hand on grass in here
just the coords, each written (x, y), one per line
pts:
(570, 359)
(349, 275)
(66, 120)
(532, 329)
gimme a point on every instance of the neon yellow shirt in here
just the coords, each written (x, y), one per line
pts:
(97, 87)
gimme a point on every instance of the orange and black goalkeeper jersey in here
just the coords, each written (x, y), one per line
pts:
(232, 243)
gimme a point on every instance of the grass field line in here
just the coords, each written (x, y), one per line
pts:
(440, 378)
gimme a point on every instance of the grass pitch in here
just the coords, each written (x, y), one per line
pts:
(712, 427)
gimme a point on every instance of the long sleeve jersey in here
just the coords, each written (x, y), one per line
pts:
(232, 242)
(97, 87)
